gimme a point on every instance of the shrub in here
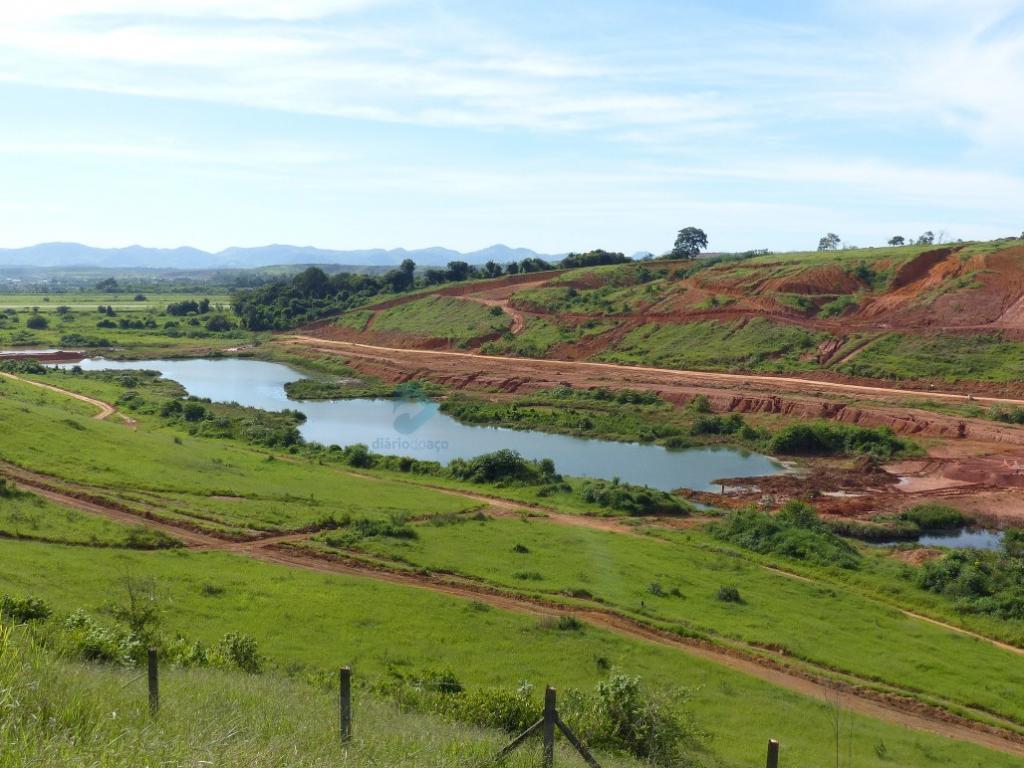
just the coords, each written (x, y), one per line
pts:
(503, 466)
(241, 651)
(21, 610)
(193, 412)
(700, 404)
(717, 425)
(632, 499)
(7, 489)
(218, 323)
(37, 323)
(86, 639)
(352, 531)
(729, 594)
(27, 365)
(141, 537)
(359, 456)
(77, 339)
(935, 517)
(622, 716)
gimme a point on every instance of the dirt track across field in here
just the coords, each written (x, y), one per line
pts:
(891, 708)
(106, 410)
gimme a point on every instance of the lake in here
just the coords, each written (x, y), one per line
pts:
(418, 428)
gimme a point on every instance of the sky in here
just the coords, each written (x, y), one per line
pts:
(558, 125)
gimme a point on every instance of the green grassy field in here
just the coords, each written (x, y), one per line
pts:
(317, 622)
(189, 478)
(672, 580)
(443, 317)
(757, 345)
(310, 622)
(539, 336)
(984, 357)
(72, 321)
(27, 517)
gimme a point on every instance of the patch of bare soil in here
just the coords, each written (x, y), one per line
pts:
(917, 556)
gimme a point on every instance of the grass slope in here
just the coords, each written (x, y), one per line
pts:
(319, 621)
(457, 320)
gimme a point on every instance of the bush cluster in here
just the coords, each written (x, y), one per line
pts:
(794, 532)
(829, 439)
(504, 466)
(632, 499)
(981, 581)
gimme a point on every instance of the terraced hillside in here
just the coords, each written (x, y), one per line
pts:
(930, 314)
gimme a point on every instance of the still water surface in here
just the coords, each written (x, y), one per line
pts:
(418, 429)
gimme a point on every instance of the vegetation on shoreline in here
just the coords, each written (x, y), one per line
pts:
(644, 417)
(980, 581)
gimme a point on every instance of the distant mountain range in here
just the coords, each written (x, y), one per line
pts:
(137, 256)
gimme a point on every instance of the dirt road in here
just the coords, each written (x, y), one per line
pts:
(628, 373)
(106, 410)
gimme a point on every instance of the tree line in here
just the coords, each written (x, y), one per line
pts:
(313, 294)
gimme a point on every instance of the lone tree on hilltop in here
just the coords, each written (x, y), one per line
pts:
(689, 243)
(927, 238)
(829, 242)
(898, 240)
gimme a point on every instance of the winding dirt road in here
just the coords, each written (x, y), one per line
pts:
(106, 410)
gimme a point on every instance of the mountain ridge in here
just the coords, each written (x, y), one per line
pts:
(68, 254)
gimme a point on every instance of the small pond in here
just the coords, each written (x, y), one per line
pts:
(961, 538)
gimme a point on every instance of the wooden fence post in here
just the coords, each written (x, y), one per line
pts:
(550, 716)
(154, 683)
(345, 703)
(773, 754)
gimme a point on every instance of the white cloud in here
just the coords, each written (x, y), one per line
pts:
(50, 10)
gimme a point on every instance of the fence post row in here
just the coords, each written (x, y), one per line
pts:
(154, 682)
(547, 724)
(345, 703)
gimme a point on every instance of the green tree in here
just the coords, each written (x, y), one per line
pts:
(689, 243)
(829, 242)
(897, 240)
(457, 271)
(927, 238)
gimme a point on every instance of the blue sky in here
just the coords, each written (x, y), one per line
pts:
(558, 125)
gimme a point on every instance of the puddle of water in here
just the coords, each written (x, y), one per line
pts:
(962, 538)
